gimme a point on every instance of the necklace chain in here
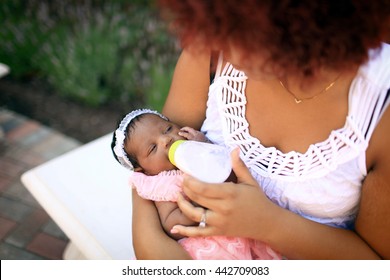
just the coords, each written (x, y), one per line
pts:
(299, 100)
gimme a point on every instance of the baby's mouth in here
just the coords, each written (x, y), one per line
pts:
(170, 143)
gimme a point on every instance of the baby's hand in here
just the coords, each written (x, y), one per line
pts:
(192, 134)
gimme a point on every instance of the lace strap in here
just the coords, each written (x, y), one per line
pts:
(380, 107)
(219, 65)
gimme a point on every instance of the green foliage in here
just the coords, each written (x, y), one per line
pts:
(20, 38)
(91, 51)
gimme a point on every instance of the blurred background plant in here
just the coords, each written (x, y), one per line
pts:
(92, 51)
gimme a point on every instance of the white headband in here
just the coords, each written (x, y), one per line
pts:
(120, 135)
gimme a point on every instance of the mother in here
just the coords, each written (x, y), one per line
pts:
(301, 87)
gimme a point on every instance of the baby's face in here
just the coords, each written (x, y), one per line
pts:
(150, 142)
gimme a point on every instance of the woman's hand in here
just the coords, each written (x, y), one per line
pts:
(231, 208)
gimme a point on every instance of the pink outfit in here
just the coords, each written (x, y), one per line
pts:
(165, 187)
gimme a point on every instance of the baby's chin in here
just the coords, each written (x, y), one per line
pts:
(154, 173)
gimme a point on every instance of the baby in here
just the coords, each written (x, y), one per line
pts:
(141, 144)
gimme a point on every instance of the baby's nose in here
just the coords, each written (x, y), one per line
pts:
(166, 141)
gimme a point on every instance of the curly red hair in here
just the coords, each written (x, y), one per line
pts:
(297, 35)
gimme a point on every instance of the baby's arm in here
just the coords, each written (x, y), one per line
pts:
(170, 215)
(192, 134)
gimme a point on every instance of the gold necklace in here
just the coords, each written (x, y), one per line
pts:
(299, 100)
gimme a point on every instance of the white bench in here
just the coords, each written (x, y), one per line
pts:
(85, 191)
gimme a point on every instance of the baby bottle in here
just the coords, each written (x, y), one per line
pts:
(207, 162)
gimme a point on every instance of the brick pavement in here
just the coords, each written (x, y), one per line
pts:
(26, 230)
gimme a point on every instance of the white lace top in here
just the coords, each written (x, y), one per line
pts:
(324, 183)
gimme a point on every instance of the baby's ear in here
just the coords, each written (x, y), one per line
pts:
(139, 169)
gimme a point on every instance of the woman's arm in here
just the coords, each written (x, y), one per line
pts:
(234, 207)
(373, 221)
(186, 102)
(185, 105)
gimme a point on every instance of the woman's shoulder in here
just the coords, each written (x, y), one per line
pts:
(369, 93)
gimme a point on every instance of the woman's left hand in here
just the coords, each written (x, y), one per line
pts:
(230, 209)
